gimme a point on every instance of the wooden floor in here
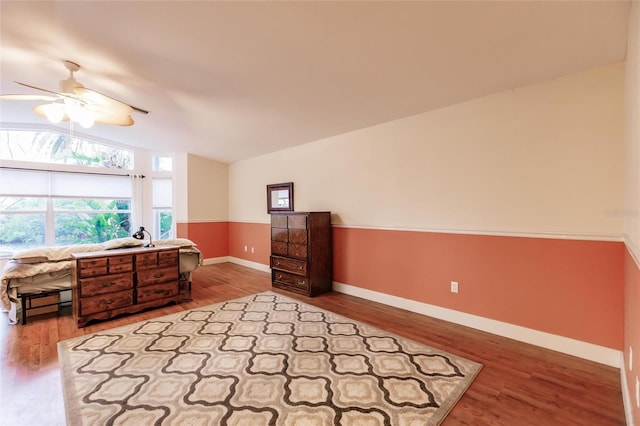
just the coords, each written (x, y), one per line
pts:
(520, 384)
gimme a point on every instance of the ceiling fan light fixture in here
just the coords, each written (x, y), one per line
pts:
(54, 112)
(74, 109)
(79, 113)
(86, 119)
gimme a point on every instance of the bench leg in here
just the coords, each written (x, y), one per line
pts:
(23, 304)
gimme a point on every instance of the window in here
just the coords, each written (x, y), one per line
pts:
(22, 223)
(40, 207)
(162, 187)
(162, 163)
(162, 211)
(84, 197)
(90, 220)
(45, 146)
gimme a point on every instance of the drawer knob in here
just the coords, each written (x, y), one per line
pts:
(299, 268)
(108, 284)
(277, 263)
(158, 275)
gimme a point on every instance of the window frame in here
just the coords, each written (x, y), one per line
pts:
(50, 212)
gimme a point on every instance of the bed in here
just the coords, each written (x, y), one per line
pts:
(40, 272)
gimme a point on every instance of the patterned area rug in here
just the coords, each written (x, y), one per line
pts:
(264, 359)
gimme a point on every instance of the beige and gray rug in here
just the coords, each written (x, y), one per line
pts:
(264, 359)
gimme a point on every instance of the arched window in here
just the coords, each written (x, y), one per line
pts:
(57, 190)
(50, 147)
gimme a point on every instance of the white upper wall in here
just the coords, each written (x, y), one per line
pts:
(206, 189)
(632, 133)
(544, 158)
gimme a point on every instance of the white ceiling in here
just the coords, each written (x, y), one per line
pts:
(232, 80)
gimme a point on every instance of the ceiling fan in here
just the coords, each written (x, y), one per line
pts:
(79, 104)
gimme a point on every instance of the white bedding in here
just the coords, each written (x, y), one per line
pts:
(34, 276)
(27, 278)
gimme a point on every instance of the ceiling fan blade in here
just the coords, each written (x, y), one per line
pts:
(115, 119)
(40, 88)
(59, 95)
(102, 99)
(99, 101)
(29, 98)
(107, 114)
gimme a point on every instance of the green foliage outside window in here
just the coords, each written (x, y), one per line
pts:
(166, 223)
(86, 228)
(21, 231)
(77, 221)
(90, 220)
(45, 146)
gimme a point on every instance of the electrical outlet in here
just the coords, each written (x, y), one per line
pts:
(245, 248)
(454, 286)
(253, 250)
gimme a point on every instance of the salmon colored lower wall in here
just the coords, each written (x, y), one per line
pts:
(569, 288)
(212, 238)
(632, 327)
(256, 236)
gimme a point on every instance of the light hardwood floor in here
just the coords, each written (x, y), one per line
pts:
(520, 384)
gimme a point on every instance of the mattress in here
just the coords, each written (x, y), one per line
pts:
(189, 261)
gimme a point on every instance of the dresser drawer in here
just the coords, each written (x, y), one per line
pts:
(298, 267)
(92, 267)
(120, 264)
(157, 276)
(297, 222)
(105, 284)
(105, 302)
(168, 258)
(147, 260)
(123, 267)
(119, 260)
(297, 250)
(298, 236)
(158, 291)
(279, 247)
(291, 280)
(279, 234)
(278, 221)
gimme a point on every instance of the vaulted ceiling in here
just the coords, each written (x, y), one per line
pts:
(232, 80)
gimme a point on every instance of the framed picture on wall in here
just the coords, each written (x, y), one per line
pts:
(280, 197)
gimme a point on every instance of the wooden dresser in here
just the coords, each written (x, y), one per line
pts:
(114, 282)
(301, 256)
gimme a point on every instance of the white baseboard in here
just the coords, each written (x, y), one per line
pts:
(589, 351)
(237, 261)
(249, 264)
(214, 260)
(626, 398)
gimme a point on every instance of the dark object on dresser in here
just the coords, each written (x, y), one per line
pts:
(301, 256)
